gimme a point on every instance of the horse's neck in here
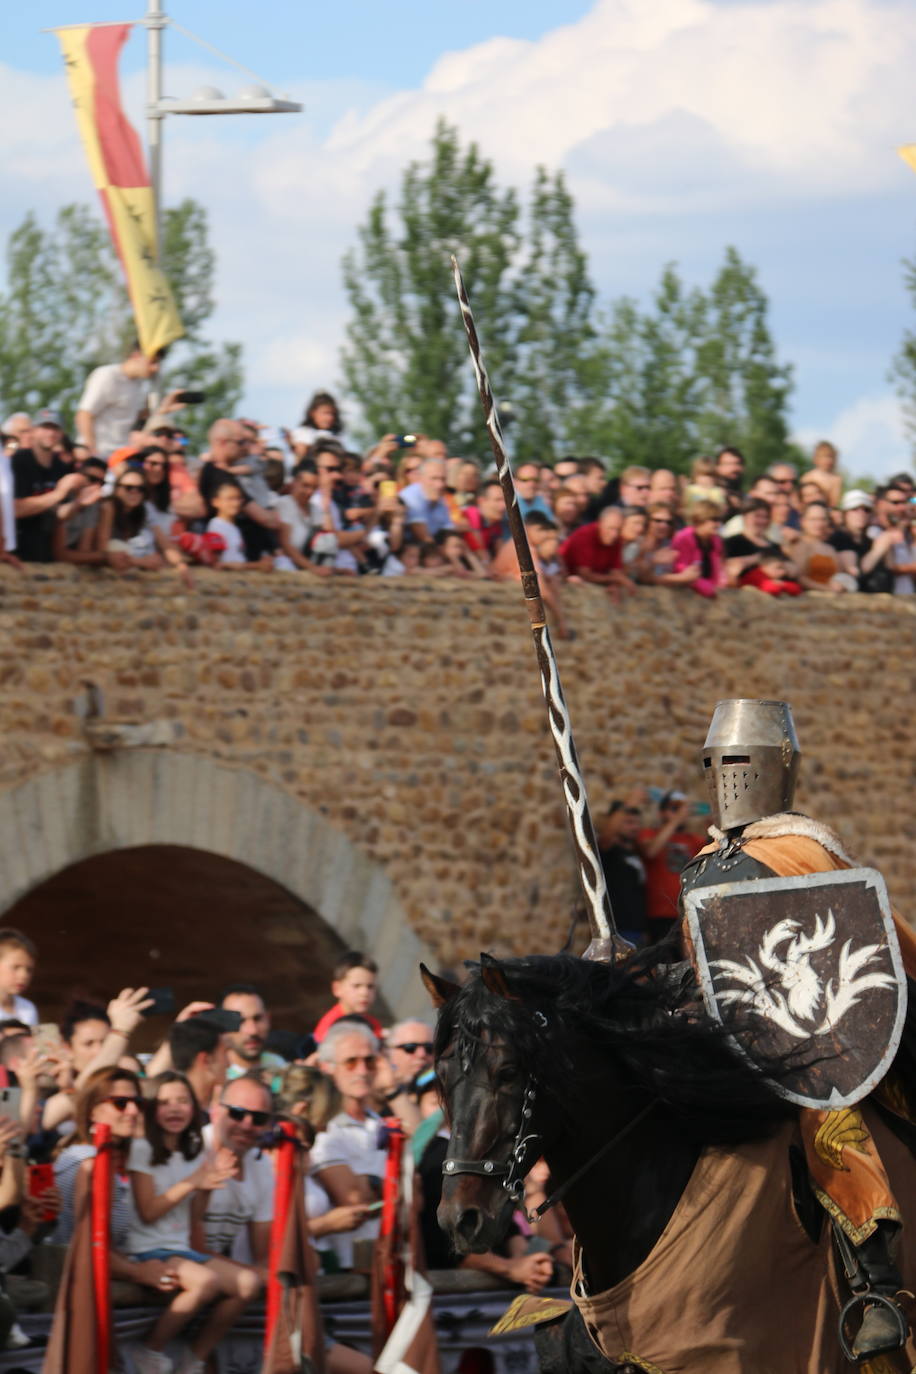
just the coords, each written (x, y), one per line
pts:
(620, 1208)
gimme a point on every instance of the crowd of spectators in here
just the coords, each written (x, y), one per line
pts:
(192, 1125)
(257, 499)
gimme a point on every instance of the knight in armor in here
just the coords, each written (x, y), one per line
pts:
(750, 762)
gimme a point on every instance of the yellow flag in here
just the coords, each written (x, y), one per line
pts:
(119, 171)
(908, 153)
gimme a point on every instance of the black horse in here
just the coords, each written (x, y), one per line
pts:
(618, 1077)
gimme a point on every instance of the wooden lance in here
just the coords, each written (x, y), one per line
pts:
(606, 943)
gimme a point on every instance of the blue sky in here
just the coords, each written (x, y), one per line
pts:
(682, 125)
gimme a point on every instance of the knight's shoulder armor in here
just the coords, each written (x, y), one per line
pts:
(729, 862)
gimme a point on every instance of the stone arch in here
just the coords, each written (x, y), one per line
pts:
(135, 797)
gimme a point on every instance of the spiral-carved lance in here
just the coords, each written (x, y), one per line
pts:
(606, 943)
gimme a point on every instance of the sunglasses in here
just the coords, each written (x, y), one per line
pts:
(327, 469)
(240, 1113)
(411, 1046)
(356, 1059)
(153, 463)
(632, 811)
(122, 1103)
(131, 486)
(660, 520)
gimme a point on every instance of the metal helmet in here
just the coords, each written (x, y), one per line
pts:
(750, 760)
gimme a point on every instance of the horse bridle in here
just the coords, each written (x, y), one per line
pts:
(527, 1148)
(512, 1172)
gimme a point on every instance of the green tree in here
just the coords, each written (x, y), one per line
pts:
(745, 389)
(65, 310)
(903, 367)
(405, 359)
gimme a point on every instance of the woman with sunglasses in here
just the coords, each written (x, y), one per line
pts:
(127, 535)
(167, 1169)
(155, 467)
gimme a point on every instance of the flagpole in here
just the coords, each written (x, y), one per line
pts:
(155, 22)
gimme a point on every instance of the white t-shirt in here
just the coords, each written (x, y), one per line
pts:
(352, 1142)
(300, 524)
(7, 498)
(23, 1010)
(241, 1200)
(234, 552)
(114, 401)
(173, 1230)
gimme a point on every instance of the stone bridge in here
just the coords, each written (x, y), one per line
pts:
(241, 781)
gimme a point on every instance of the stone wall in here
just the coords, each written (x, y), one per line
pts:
(407, 717)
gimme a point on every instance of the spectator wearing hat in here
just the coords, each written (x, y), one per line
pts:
(665, 849)
(852, 538)
(44, 489)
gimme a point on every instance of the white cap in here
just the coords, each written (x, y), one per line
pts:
(856, 499)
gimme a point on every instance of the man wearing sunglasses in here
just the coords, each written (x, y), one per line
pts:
(409, 1052)
(234, 1220)
(348, 1158)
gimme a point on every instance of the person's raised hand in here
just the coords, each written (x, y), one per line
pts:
(216, 1171)
(92, 492)
(32, 1063)
(73, 481)
(10, 1134)
(194, 1009)
(126, 1010)
(171, 402)
(532, 1272)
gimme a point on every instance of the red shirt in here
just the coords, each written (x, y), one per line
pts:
(481, 538)
(663, 873)
(327, 1021)
(584, 549)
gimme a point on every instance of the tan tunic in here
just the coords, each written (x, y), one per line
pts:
(733, 1284)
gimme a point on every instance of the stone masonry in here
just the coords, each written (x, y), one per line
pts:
(401, 722)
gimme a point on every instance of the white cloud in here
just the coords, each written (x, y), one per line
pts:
(870, 436)
(665, 115)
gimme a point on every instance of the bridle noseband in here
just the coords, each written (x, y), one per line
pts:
(524, 1151)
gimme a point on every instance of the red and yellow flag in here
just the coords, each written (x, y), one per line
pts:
(119, 171)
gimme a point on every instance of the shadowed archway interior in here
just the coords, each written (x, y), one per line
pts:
(171, 916)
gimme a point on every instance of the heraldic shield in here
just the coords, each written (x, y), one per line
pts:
(806, 970)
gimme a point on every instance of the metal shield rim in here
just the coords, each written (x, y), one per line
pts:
(871, 878)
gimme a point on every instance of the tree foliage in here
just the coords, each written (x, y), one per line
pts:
(688, 372)
(903, 367)
(65, 310)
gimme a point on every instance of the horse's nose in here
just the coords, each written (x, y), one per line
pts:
(468, 1225)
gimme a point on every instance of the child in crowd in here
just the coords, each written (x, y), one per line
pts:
(699, 548)
(771, 576)
(353, 985)
(166, 1171)
(703, 485)
(227, 501)
(17, 965)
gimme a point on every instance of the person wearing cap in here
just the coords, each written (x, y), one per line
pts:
(44, 489)
(852, 538)
(664, 850)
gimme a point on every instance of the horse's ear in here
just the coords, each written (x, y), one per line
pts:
(439, 989)
(494, 979)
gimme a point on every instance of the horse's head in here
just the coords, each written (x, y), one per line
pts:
(485, 1071)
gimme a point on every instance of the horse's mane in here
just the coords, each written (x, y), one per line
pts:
(645, 1016)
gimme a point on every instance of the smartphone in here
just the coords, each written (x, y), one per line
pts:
(191, 398)
(47, 1037)
(291, 1044)
(163, 1002)
(387, 489)
(404, 440)
(220, 1017)
(41, 1178)
(9, 1102)
(375, 1206)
